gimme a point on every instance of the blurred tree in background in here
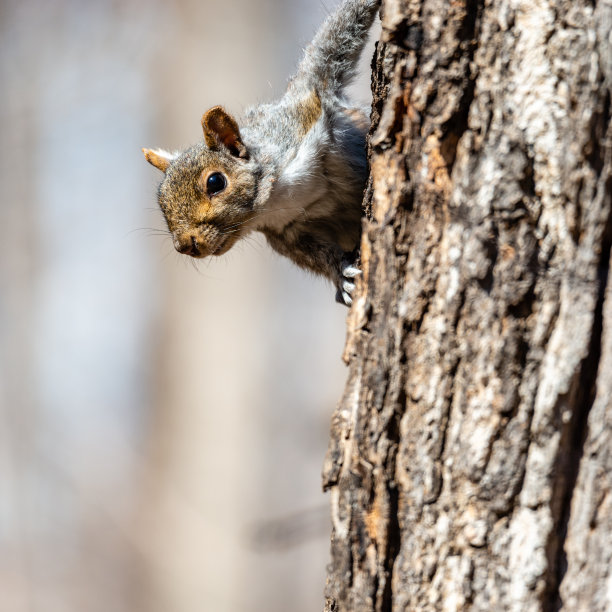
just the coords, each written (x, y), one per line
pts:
(162, 427)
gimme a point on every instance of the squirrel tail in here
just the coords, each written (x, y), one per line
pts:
(330, 59)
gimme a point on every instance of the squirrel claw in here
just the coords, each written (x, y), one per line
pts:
(344, 295)
(351, 271)
(348, 287)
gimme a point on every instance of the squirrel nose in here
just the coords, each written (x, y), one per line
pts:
(187, 245)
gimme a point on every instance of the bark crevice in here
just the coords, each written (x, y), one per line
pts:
(587, 385)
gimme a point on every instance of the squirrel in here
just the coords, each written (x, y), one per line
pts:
(294, 170)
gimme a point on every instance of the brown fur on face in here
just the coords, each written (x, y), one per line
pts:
(201, 223)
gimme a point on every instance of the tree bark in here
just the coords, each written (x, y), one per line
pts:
(470, 461)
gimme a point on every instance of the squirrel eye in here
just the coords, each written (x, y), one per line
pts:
(215, 183)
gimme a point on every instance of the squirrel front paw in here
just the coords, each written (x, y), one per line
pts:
(346, 282)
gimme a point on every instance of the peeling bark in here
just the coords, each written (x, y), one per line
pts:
(469, 463)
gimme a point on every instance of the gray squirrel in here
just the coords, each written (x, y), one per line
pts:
(294, 170)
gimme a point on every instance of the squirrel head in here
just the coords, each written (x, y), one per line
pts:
(208, 190)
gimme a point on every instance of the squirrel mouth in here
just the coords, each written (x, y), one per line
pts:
(210, 241)
(224, 245)
(198, 248)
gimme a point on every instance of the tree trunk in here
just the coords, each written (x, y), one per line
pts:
(470, 461)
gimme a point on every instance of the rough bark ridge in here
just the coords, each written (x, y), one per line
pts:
(469, 463)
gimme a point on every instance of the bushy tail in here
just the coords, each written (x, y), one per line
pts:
(330, 60)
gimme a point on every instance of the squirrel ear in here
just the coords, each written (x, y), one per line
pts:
(220, 128)
(159, 158)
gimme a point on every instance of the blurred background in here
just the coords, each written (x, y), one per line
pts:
(162, 424)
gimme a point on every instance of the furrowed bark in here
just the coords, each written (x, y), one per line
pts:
(469, 463)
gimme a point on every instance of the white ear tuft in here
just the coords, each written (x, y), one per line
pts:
(159, 158)
(167, 154)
